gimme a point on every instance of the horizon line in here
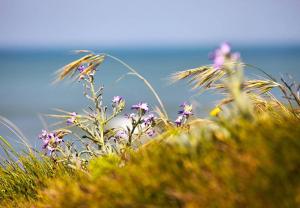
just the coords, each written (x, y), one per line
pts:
(146, 46)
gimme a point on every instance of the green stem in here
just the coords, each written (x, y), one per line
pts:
(99, 118)
(132, 131)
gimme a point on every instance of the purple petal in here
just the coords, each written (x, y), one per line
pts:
(179, 120)
(73, 114)
(140, 106)
(150, 133)
(71, 120)
(117, 99)
(81, 68)
(225, 48)
(218, 62)
(235, 56)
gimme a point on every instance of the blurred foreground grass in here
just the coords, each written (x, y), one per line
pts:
(228, 162)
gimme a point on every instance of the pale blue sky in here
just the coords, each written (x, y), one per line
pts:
(35, 23)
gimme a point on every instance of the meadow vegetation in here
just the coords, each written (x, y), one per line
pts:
(245, 154)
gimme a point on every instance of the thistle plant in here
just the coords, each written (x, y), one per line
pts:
(96, 137)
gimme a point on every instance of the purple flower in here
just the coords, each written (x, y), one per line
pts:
(150, 132)
(71, 121)
(219, 62)
(184, 113)
(225, 48)
(141, 106)
(222, 54)
(235, 56)
(117, 99)
(81, 68)
(43, 135)
(49, 140)
(149, 120)
(45, 143)
(186, 109)
(45, 138)
(73, 114)
(179, 120)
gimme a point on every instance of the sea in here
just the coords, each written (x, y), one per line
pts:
(27, 93)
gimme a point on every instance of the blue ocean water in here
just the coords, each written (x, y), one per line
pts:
(26, 75)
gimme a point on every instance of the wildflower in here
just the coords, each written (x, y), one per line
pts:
(186, 109)
(149, 120)
(117, 99)
(73, 114)
(87, 71)
(223, 54)
(71, 120)
(235, 56)
(184, 113)
(45, 139)
(215, 111)
(118, 103)
(143, 107)
(81, 68)
(179, 120)
(50, 140)
(43, 134)
(150, 132)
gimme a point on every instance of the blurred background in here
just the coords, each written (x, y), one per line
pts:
(155, 37)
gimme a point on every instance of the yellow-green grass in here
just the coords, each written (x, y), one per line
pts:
(230, 162)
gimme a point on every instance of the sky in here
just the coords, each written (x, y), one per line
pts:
(113, 23)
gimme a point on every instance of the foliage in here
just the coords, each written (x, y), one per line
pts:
(231, 163)
(20, 179)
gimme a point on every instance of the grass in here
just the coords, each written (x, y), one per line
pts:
(21, 179)
(230, 162)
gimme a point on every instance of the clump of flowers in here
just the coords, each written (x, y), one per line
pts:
(223, 55)
(184, 113)
(142, 122)
(52, 140)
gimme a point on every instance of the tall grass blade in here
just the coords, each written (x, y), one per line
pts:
(16, 131)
